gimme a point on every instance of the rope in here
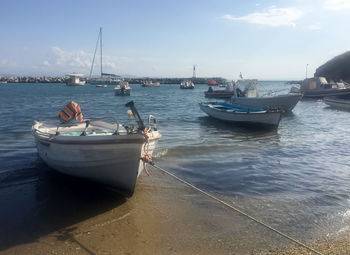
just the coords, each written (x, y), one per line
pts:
(237, 210)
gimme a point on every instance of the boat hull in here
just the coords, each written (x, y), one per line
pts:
(120, 92)
(320, 93)
(219, 94)
(283, 102)
(264, 118)
(113, 160)
(336, 102)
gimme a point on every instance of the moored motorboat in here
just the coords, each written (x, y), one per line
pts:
(186, 85)
(241, 115)
(105, 152)
(101, 85)
(150, 84)
(318, 87)
(226, 93)
(74, 80)
(249, 97)
(123, 89)
(339, 102)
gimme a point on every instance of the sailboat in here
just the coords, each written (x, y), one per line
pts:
(105, 78)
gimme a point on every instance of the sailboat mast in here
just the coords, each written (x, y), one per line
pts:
(93, 60)
(101, 48)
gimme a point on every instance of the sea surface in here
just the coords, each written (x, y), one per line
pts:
(295, 178)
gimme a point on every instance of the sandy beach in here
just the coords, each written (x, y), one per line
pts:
(162, 217)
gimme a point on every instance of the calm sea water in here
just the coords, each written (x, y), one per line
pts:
(296, 178)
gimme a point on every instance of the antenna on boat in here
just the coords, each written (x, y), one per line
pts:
(136, 115)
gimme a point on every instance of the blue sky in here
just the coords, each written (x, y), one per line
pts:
(261, 39)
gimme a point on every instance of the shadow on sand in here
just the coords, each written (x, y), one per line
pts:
(46, 202)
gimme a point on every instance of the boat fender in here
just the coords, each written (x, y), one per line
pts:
(71, 111)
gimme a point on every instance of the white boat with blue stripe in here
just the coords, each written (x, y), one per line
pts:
(242, 115)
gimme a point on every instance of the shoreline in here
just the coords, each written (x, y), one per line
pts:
(162, 217)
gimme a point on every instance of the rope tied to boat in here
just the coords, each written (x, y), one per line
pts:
(238, 210)
(147, 158)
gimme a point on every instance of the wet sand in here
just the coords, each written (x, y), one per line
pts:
(162, 217)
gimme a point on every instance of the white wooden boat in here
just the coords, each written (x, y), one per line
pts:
(74, 80)
(186, 85)
(242, 115)
(318, 87)
(109, 153)
(123, 89)
(339, 102)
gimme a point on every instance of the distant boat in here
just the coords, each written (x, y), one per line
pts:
(340, 102)
(248, 96)
(101, 85)
(105, 78)
(187, 85)
(241, 115)
(3, 82)
(150, 84)
(123, 89)
(220, 93)
(74, 80)
(212, 83)
(106, 152)
(319, 87)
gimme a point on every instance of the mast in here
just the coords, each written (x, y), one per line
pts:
(99, 39)
(101, 48)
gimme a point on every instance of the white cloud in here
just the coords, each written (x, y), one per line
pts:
(336, 5)
(313, 27)
(274, 17)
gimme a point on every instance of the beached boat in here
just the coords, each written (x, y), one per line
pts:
(241, 115)
(187, 85)
(123, 89)
(150, 84)
(339, 102)
(74, 80)
(227, 93)
(249, 96)
(318, 87)
(105, 152)
(105, 78)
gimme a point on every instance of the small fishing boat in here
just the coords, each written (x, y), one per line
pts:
(318, 87)
(150, 84)
(123, 89)
(227, 93)
(101, 85)
(74, 80)
(100, 150)
(242, 115)
(248, 96)
(339, 102)
(187, 85)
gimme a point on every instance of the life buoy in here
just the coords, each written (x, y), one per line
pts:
(71, 111)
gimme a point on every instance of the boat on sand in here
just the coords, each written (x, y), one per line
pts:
(101, 150)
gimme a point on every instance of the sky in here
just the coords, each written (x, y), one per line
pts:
(277, 39)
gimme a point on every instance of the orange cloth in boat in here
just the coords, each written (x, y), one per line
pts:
(69, 112)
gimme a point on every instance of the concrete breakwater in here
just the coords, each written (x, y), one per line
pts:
(48, 79)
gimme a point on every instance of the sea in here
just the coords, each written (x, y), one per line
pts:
(295, 178)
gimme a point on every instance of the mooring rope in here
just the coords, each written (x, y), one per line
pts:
(237, 210)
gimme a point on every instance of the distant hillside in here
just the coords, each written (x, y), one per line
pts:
(338, 68)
